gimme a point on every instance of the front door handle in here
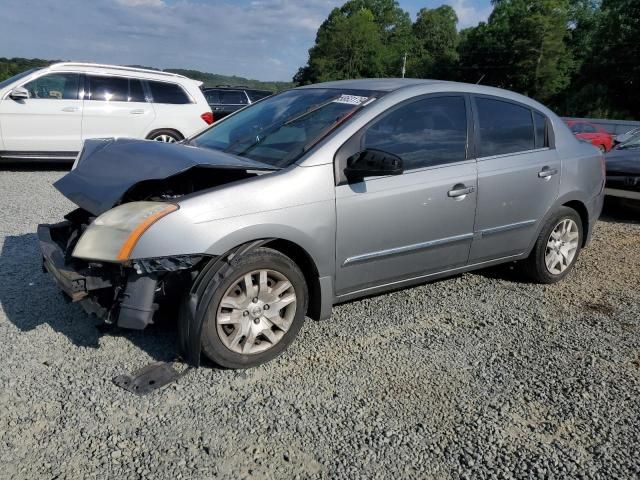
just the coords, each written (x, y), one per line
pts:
(70, 109)
(460, 191)
(547, 172)
(138, 111)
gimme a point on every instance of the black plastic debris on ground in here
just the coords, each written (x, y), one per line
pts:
(147, 379)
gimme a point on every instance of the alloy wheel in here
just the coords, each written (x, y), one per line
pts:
(562, 246)
(256, 312)
(165, 138)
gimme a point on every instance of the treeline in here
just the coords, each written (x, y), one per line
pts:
(580, 57)
(12, 66)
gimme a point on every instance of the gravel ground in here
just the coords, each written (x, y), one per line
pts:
(477, 376)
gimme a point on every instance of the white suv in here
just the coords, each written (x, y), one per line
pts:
(47, 113)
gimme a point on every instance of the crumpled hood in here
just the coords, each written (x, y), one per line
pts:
(108, 168)
(623, 161)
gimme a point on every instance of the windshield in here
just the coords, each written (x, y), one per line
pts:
(10, 80)
(279, 129)
(633, 142)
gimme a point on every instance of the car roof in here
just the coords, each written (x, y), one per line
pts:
(120, 70)
(377, 84)
(239, 87)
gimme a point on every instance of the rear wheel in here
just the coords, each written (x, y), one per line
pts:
(165, 135)
(557, 247)
(256, 311)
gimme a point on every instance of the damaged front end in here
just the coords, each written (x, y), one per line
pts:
(123, 188)
(125, 294)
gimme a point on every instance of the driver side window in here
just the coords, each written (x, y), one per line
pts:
(55, 86)
(424, 133)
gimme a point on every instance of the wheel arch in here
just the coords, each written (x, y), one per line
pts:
(572, 201)
(309, 269)
(156, 130)
(582, 211)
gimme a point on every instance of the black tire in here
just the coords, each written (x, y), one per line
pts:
(165, 135)
(534, 266)
(261, 258)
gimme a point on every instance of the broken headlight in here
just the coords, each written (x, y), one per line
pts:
(114, 234)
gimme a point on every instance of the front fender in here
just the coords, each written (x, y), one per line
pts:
(310, 226)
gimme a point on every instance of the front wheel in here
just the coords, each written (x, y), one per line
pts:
(256, 311)
(557, 247)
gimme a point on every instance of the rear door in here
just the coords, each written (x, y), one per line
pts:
(397, 227)
(49, 121)
(115, 106)
(518, 176)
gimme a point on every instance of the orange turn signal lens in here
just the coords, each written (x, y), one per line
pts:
(134, 236)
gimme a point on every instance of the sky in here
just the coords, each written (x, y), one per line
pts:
(258, 39)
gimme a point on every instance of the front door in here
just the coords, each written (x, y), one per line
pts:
(518, 177)
(49, 121)
(398, 227)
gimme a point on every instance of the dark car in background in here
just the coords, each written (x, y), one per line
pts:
(591, 133)
(623, 170)
(226, 99)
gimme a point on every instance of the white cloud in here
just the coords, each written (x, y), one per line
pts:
(469, 14)
(264, 39)
(141, 3)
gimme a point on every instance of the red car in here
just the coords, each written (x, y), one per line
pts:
(591, 133)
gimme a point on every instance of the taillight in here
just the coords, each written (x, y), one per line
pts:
(207, 117)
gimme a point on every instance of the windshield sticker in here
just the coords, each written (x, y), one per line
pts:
(351, 99)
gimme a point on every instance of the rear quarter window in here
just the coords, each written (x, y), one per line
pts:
(164, 92)
(540, 122)
(504, 127)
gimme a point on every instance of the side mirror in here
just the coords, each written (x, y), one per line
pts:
(372, 163)
(19, 93)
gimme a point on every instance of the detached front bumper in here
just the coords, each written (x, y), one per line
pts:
(116, 293)
(75, 278)
(110, 291)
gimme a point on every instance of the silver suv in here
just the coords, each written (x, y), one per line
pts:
(316, 196)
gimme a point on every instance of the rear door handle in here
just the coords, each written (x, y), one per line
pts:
(460, 190)
(70, 109)
(138, 111)
(547, 172)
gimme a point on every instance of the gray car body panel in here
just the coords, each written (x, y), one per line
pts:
(387, 232)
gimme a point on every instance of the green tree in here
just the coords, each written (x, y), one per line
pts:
(434, 53)
(614, 63)
(363, 38)
(522, 47)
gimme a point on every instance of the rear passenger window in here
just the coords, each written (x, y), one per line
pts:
(109, 89)
(232, 97)
(423, 133)
(163, 92)
(540, 122)
(136, 93)
(114, 89)
(503, 128)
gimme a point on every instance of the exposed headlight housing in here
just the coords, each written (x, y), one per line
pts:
(114, 234)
